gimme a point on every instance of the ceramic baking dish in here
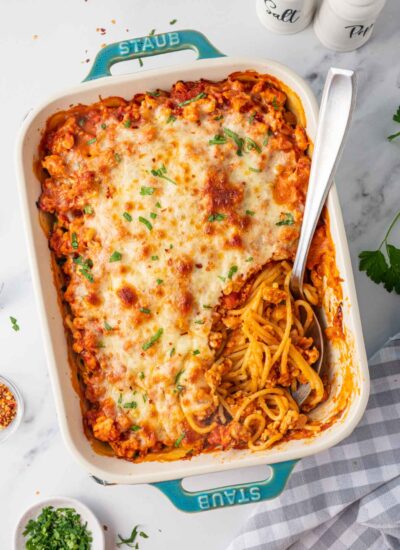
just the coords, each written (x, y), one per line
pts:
(167, 476)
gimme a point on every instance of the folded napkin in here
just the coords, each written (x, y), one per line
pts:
(349, 496)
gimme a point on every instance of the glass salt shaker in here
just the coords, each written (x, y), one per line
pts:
(285, 16)
(345, 25)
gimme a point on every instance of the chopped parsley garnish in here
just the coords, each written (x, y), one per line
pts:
(396, 118)
(117, 157)
(275, 104)
(179, 440)
(153, 215)
(170, 119)
(250, 212)
(223, 279)
(217, 140)
(153, 339)
(232, 271)
(74, 240)
(161, 173)
(91, 141)
(141, 375)
(86, 266)
(219, 117)
(238, 140)
(251, 144)
(177, 377)
(258, 170)
(87, 274)
(127, 216)
(140, 61)
(101, 344)
(152, 32)
(171, 245)
(145, 310)
(144, 396)
(147, 190)
(251, 118)
(145, 222)
(14, 324)
(201, 95)
(199, 322)
(120, 399)
(57, 528)
(81, 122)
(88, 209)
(249, 259)
(130, 405)
(287, 220)
(381, 269)
(131, 540)
(154, 94)
(267, 136)
(173, 21)
(158, 205)
(154, 258)
(159, 281)
(104, 126)
(217, 217)
(127, 123)
(135, 428)
(172, 352)
(115, 256)
(206, 306)
(196, 352)
(107, 326)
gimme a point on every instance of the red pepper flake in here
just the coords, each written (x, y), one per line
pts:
(8, 406)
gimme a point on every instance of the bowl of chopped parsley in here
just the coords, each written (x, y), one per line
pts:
(59, 523)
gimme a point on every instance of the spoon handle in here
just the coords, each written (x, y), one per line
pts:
(337, 104)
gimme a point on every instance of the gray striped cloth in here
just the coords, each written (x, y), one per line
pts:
(347, 497)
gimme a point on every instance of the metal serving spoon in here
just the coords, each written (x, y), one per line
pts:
(337, 104)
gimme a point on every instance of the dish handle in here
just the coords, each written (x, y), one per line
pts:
(231, 495)
(147, 46)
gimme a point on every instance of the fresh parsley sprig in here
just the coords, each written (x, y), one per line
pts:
(379, 268)
(131, 541)
(396, 118)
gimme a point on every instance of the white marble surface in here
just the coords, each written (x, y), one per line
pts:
(34, 462)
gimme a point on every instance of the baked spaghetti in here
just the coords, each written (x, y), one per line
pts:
(174, 218)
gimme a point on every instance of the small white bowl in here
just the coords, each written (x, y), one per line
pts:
(12, 427)
(87, 515)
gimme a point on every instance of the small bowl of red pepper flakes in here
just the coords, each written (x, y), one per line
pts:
(11, 408)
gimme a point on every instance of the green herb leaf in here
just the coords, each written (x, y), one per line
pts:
(135, 428)
(173, 21)
(147, 190)
(275, 104)
(153, 339)
(127, 123)
(250, 212)
(196, 352)
(145, 310)
(107, 326)
(170, 119)
(130, 405)
(177, 377)
(120, 399)
(201, 95)
(158, 205)
(251, 144)
(152, 32)
(127, 216)
(88, 209)
(129, 541)
(145, 222)
(373, 262)
(57, 528)
(157, 93)
(91, 141)
(74, 240)
(141, 375)
(81, 121)
(86, 273)
(14, 324)
(396, 116)
(154, 258)
(103, 126)
(287, 220)
(223, 279)
(217, 140)
(238, 140)
(258, 170)
(206, 306)
(199, 322)
(172, 352)
(179, 440)
(217, 217)
(117, 157)
(219, 117)
(392, 277)
(153, 215)
(115, 256)
(251, 118)
(140, 61)
(161, 173)
(159, 281)
(249, 259)
(232, 271)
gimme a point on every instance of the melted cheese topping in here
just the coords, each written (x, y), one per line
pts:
(164, 204)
